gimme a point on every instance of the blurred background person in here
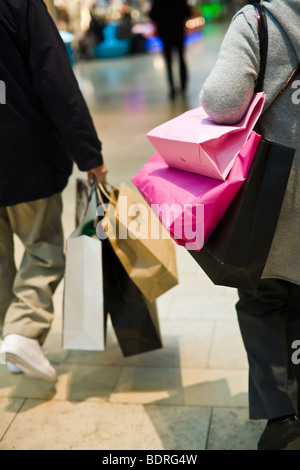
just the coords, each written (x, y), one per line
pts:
(125, 27)
(92, 36)
(170, 17)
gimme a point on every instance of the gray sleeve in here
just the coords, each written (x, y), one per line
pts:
(228, 90)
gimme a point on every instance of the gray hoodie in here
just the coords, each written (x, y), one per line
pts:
(228, 91)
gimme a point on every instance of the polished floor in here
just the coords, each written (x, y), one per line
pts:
(190, 395)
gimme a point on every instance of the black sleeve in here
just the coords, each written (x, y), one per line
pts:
(56, 86)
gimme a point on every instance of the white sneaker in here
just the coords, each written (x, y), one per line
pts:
(27, 355)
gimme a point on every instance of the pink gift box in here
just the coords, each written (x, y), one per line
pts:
(193, 142)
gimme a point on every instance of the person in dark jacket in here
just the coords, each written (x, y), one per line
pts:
(170, 16)
(45, 126)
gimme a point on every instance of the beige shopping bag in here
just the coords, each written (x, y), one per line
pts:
(143, 246)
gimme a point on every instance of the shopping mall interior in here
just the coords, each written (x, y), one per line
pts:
(115, 28)
(192, 394)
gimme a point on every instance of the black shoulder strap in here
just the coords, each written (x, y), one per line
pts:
(263, 45)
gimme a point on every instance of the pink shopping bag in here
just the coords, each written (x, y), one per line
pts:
(195, 143)
(190, 206)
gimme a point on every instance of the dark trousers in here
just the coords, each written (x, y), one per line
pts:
(178, 47)
(269, 320)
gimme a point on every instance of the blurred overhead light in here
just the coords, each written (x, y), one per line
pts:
(135, 14)
(194, 23)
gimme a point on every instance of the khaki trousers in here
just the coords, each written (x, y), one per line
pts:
(26, 306)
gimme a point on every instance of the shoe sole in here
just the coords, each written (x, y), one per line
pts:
(27, 369)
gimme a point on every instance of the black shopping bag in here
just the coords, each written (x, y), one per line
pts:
(134, 318)
(236, 253)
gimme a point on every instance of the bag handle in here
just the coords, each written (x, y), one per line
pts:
(101, 189)
(263, 44)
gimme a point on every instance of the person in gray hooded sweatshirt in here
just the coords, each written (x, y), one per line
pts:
(270, 318)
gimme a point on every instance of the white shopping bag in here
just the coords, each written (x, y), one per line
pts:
(2, 352)
(83, 319)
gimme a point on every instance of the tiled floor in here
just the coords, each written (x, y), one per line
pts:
(190, 395)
